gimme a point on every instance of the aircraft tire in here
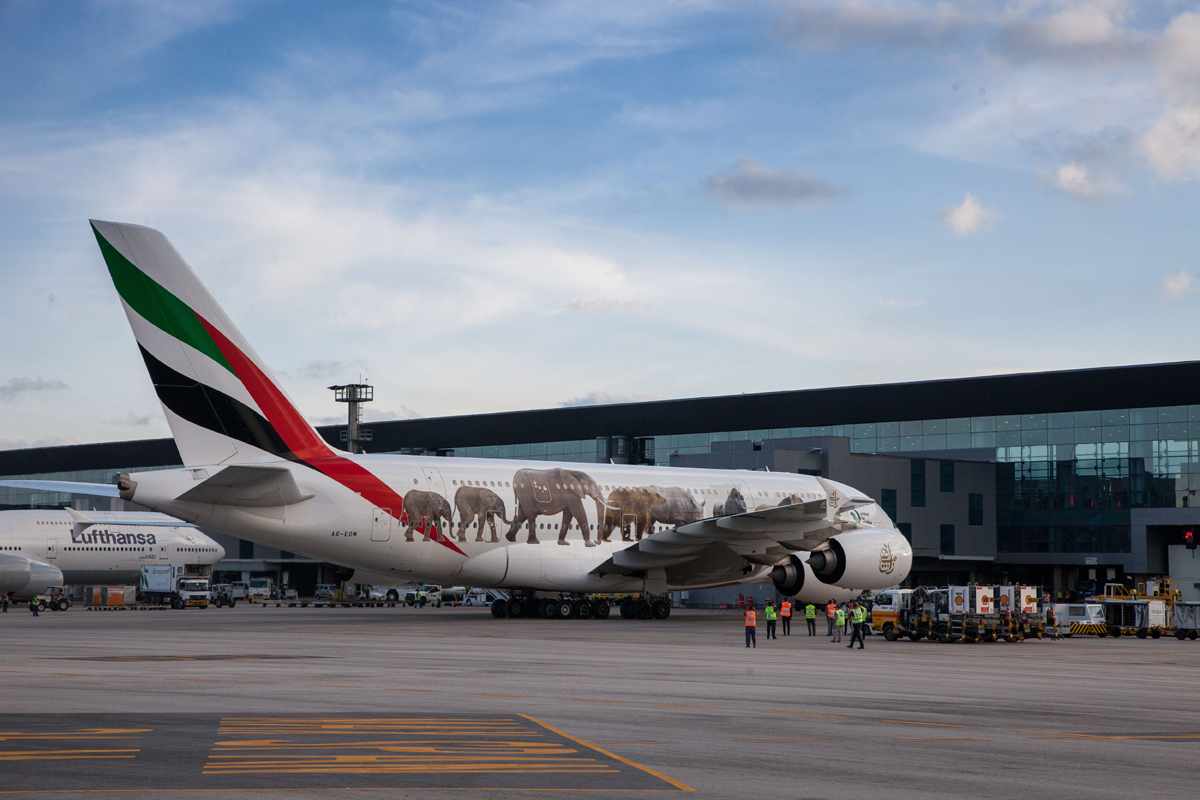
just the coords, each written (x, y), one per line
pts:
(583, 609)
(1154, 634)
(499, 608)
(516, 607)
(566, 609)
(1192, 635)
(393, 596)
(602, 609)
(661, 608)
(645, 610)
(549, 609)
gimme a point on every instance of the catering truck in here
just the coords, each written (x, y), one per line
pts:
(169, 584)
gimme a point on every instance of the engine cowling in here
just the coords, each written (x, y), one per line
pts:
(865, 558)
(27, 577)
(790, 575)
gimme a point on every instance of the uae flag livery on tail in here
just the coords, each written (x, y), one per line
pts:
(222, 405)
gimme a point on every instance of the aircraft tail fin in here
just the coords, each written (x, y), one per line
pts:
(220, 400)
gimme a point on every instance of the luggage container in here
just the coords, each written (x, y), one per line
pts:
(1186, 620)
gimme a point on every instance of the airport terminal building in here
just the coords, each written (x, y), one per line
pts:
(1065, 479)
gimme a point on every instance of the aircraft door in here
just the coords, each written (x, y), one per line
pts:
(382, 523)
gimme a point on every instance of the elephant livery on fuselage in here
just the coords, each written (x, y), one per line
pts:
(635, 510)
(546, 492)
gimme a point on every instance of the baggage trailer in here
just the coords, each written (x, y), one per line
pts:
(1186, 620)
(1138, 617)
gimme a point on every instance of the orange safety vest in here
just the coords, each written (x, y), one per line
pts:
(751, 618)
(830, 610)
(786, 608)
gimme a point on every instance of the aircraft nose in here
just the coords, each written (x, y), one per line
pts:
(220, 553)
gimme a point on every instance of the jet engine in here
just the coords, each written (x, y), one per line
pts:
(27, 577)
(790, 575)
(864, 558)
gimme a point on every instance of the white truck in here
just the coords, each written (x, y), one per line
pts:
(166, 583)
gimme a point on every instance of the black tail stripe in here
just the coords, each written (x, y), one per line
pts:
(206, 407)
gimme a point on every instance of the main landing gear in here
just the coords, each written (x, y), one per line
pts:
(577, 606)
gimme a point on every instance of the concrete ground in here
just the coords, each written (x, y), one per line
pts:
(653, 707)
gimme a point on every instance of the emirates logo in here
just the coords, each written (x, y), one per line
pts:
(887, 560)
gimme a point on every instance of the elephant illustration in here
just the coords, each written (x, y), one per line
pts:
(546, 492)
(423, 511)
(677, 506)
(477, 503)
(629, 507)
(735, 503)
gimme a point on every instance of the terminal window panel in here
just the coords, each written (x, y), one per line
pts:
(946, 476)
(949, 540)
(917, 482)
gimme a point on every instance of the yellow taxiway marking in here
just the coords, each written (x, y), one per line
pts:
(680, 785)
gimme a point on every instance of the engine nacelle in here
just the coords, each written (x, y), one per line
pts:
(864, 558)
(26, 577)
(790, 575)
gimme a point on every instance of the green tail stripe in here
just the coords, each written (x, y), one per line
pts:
(159, 307)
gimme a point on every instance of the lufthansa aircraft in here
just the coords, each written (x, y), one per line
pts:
(256, 469)
(43, 550)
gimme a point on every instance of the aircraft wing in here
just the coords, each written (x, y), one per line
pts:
(763, 536)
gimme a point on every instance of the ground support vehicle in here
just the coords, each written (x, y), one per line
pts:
(1135, 617)
(168, 584)
(483, 597)
(967, 613)
(1080, 619)
(222, 595)
(1186, 620)
(260, 590)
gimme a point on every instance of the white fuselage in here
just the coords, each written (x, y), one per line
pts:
(104, 553)
(563, 519)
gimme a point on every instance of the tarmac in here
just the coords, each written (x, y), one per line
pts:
(433, 703)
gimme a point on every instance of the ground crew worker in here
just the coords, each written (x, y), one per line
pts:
(4, 601)
(846, 606)
(751, 619)
(810, 617)
(33, 606)
(771, 615)
(785, 612)
(839, 621)
(830, 610)
(858, 618)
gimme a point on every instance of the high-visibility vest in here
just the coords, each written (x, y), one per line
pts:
(860, 614)
(830, 609)
(769, 611)
(786, 608)
(839, 617)
(810, 611)
(751, 618)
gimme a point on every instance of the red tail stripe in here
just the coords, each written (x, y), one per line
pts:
(302, 440)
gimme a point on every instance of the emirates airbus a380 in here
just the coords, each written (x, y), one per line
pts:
(551, 533)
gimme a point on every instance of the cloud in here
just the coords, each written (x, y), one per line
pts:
(1078, 180)
(15, 388)
(327, 370)
(751, 183)
(968, 217)
(370, 414)
(1172, 143)
(133, 420)
(1178, 284)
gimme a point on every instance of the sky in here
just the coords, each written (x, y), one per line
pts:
(482, 206)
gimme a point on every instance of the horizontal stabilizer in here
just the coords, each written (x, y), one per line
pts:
(65, 487)
(255, 487)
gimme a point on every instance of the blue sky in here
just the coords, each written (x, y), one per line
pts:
(493, 205)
